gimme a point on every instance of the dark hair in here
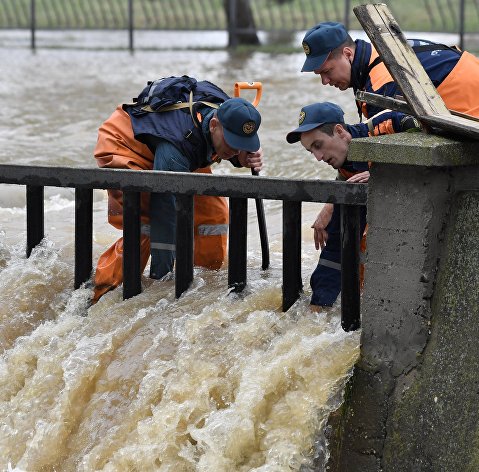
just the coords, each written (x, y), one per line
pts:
(349, 43)
(328, 128)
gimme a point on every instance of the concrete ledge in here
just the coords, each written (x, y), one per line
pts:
(418, 149)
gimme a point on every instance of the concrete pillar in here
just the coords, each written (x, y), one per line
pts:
(412, 403)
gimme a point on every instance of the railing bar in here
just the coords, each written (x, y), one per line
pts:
(178, 182)
(350, 283)
(292, 283)
(131, 244)
(237, 244)
(83, 235)
(35, 216)
(184, 243)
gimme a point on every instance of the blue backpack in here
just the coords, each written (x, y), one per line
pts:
(177, 93)
(168, 109)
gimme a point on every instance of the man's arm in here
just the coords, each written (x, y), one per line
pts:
(319, 226)
(386, 122)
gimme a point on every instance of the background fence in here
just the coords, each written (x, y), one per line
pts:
(269, 15)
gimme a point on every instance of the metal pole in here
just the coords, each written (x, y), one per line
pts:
(233, 34)
(83, 235)
(32, 24)
(347, 8)
(35, 216)
(237, 246)
(131, 244)
(130, 24)
(292, 283)
(350, 283)
(462, 7)
(184, 243)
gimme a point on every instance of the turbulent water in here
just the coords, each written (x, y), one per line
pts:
(213, 381)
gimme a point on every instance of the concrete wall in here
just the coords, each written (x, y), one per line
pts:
(413, 401)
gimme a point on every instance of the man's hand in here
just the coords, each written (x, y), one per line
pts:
(319, 226)
(410, 123)
(360, 178)
(254, 160)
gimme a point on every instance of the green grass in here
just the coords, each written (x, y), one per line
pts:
(412, 15)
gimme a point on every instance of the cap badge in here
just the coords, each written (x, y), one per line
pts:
(302, 116)
(249, 127)
(306, 48)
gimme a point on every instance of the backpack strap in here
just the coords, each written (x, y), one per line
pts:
(180, 105)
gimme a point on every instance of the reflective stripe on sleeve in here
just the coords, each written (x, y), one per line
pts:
(330, 264)
(145, 229)
(212, 230)
(163, 246)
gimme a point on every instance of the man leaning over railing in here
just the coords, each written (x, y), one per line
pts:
(324, 134)
(183, 125)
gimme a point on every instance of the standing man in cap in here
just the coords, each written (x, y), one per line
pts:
(324, 134)
(176, 124)
(344, 63)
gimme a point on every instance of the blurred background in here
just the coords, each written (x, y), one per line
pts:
(246, 21)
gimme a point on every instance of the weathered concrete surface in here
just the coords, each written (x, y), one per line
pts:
(410, 403)
(435, 424)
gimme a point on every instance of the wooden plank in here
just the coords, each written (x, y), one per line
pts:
(453, 124)
(407, 71)
(398, 104)
(400, 59)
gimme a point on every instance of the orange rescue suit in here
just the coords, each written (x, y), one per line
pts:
(458, 90)
(117, 148)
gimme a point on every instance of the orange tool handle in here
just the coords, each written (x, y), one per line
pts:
(258, 86)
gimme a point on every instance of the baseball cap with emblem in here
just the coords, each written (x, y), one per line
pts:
(240, 121)
(319, 41)
(313, 116)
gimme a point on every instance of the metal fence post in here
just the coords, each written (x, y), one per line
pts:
(292, 283)
(350, 283)
(184, 243)
(83, 235)
(237, 246)
(347, 13)
(462, 13)
(232, 30)
(35, 216)
(131, 244)
(32, 24)
(130, 24)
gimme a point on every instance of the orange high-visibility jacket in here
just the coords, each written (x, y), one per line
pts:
(117, 148)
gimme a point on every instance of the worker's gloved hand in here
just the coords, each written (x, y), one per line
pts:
(410, 123)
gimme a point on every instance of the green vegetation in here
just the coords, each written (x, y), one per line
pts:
(412, 15)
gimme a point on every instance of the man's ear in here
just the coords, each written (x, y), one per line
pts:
(348, 53)
(339, 129)
(213, 123)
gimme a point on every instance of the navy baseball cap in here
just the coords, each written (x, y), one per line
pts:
(240, 121)
(313, 116)
(319, 41)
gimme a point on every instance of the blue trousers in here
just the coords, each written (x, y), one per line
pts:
(326, 278)
(162, 212)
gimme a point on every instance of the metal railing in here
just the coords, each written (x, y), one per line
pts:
(453, 16)
(184, 186)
